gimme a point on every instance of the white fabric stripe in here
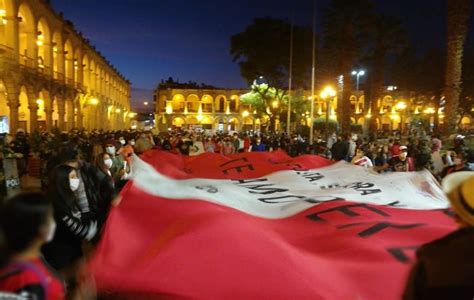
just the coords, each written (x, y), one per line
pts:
(412, 190)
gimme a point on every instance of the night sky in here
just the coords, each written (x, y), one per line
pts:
(150, 40)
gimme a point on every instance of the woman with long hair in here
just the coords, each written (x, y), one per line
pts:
(106, 186)
(26, 224)
(65, 251)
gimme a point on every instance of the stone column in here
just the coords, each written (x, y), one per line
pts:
(79, 118)
(14, 104)
(61, 112)
(33, 107)
(70, 115)
(48, 112)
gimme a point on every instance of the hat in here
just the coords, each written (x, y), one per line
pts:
(403, 148)
(459, 187)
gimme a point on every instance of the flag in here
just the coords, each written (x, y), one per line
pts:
(265, 226)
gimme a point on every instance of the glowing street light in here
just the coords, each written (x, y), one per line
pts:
(145, 103)
(245, 113)
(401, 105)
(328, 94)
(94, 101)
(275, 104)
(358, 74)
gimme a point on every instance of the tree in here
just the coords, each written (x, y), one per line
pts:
(266, 101)
(457, 26)
(347, 25)
(388, 37)
(263, 50)
(465, 109)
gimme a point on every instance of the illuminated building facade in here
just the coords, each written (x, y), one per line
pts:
(51, 76)
(220, 109)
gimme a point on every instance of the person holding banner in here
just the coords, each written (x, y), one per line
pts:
(444, 267)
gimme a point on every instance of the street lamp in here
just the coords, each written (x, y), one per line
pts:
(358, 74)
(327, 94)
(94, 101)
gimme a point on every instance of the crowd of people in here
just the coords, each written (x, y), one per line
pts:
(82, 172)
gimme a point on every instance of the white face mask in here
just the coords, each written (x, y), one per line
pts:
(108, 163)
(457, 161)
(51, 231)
(74, 183)
(132, 143)
(110, 150)
(122, 142)
(403, 155)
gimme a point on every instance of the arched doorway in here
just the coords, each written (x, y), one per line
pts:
(220, 103)
(234, 103)
(41, 102)
(56, 116)
(178, 122)
(26, 36)
(86, 72)
(69, 61)
(23, 111)
(206, 103)
(43, 41)
(58, 58)
(178, 103)
(193, 103)
(233, 124)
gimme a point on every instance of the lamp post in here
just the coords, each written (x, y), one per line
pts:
(327, 94)
(358, 74)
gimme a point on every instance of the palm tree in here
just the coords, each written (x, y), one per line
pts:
(346, 28)
(389, 37)
(457, 26)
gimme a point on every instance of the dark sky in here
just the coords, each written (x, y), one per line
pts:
(149, 40)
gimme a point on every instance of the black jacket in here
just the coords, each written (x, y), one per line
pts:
(444, 269)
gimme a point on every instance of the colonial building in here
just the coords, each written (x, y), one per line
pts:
(50, 75)
(221, 109)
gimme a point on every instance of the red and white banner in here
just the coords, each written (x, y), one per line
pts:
(266, 226)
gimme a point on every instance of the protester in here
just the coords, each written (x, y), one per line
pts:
(401, 162)
(143, 143)
(360, 159)
(106, 187)
(228, 147)
(258, 146)
(444, 267)
(65, 250)
(26, 224)
(340, 149)
(459, 164)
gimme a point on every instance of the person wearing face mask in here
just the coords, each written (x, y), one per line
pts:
(402, 163)
(459, 164)
(106, 186)
(65, 251)
(122, 141)
(118, 168)
(26, 224)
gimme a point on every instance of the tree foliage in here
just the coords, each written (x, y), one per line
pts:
(263, 49)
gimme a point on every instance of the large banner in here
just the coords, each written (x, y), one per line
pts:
(266, 226)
